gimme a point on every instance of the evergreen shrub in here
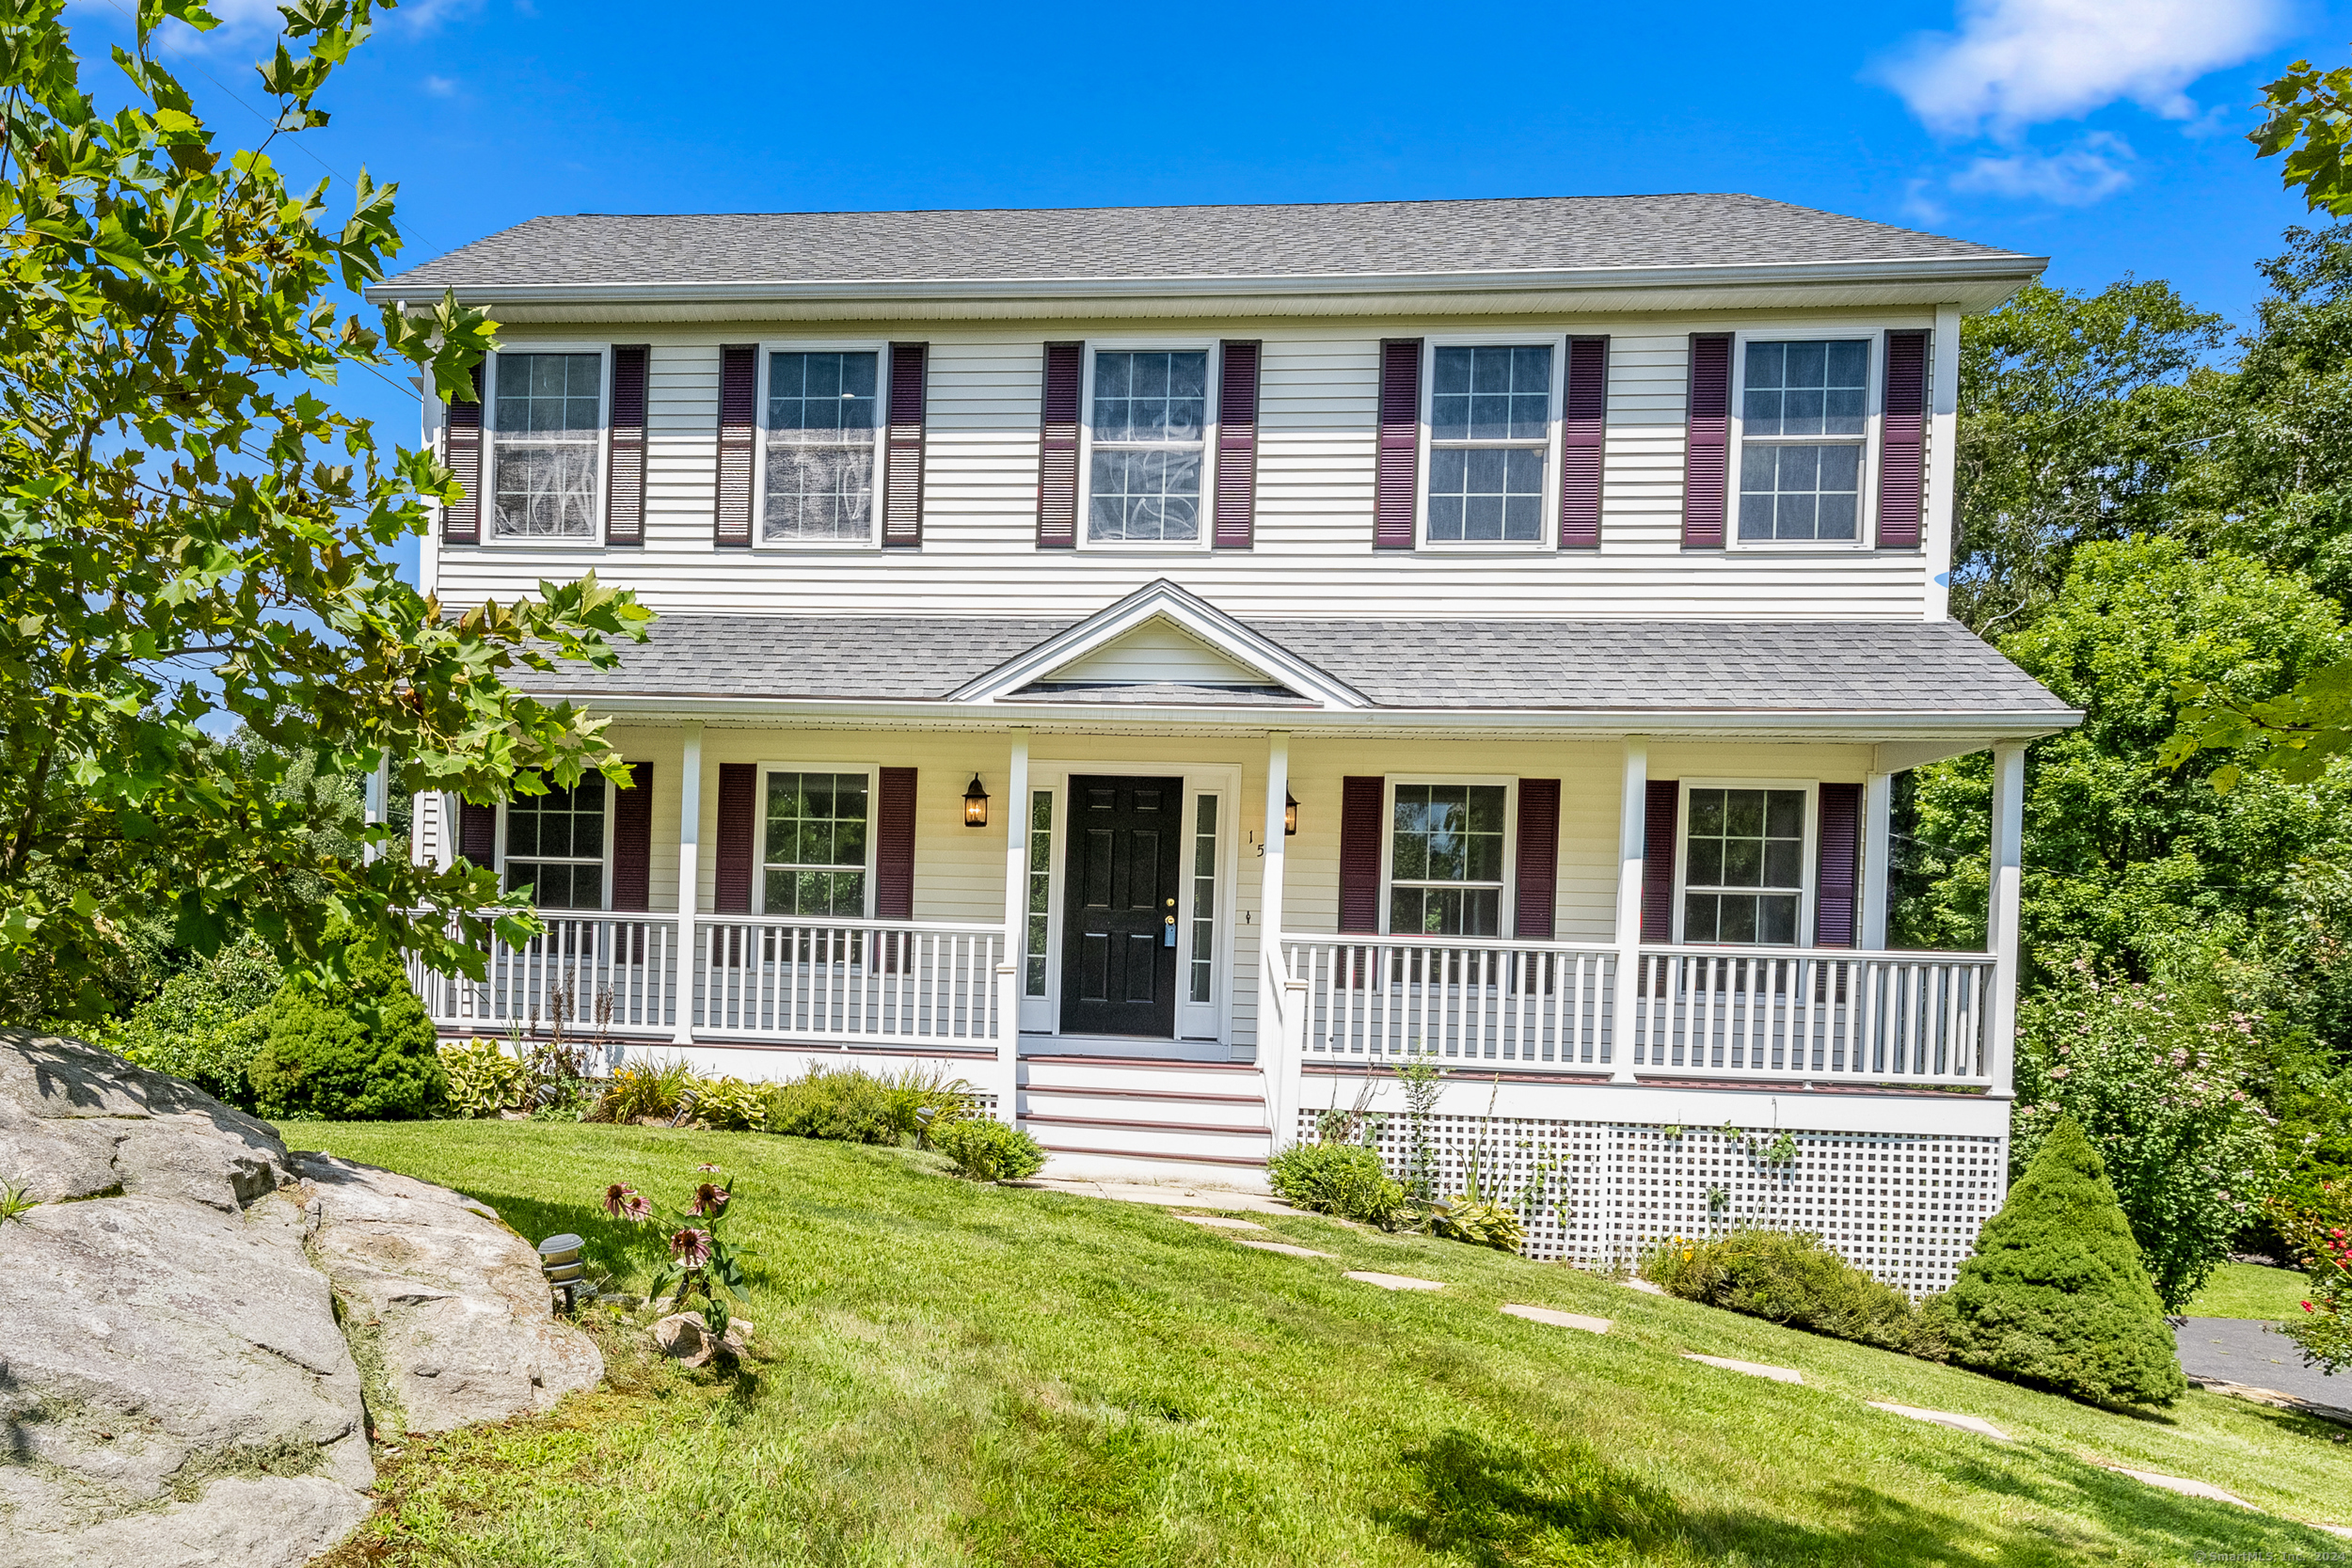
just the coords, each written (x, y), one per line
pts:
(2056, 1295)
(1797, 1280)
(356, 1050)
(986, 1150)
(842, 1104)
(1346, 1179)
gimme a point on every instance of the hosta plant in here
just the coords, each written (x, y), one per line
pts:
(702, 1263)
(484, 1078)
(1479, 1222)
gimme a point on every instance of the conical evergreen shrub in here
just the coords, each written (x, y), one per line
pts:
(361, 1049)
(2056, 1295)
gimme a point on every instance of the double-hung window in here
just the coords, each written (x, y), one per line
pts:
(1743, 866)
(823, 426)
(816, 855)
(1148, 428)
(1446, 859)
(555, 846)
(1489, 443)
(1803, 421)
(547, 424)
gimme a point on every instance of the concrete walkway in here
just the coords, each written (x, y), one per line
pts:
(2242, 1350)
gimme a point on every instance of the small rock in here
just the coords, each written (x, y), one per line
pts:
(1283, 1247)
(1395, 1281)
(686, 1339)
(1558, 1318)
(1753, 1369)
(1943, 1417)
(1644, 1287)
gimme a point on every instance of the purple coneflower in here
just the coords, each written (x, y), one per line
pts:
(709, 1199)
(615, 1197)
(691, 1247)
(707, 1169)
(636, 1207)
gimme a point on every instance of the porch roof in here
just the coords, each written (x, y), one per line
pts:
(1771, 669)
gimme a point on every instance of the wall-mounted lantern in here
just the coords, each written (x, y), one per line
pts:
(975, 805)
(1289, 815)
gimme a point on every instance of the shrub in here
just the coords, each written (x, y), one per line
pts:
(649, 1088)
(843, 1104)
(2056, 1295)
(484, 1079)
(924, 1101)
(730, 1106)
(1346, 1180)
(207, 1023)
(360, 1048)
(1795, 1279)
(2159, 1086)
(986, 1150)
(2320, 1233)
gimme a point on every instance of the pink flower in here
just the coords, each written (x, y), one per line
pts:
(616, 1198)
(711, 1200)
(707, 1169)
(2060, 1071)
(691, 1247)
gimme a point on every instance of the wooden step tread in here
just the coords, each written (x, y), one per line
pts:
(1148, 1125)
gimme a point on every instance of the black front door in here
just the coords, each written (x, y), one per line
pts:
(1118, 921)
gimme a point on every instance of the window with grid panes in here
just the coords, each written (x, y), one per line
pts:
(547, 421)
(1149, 428)
(555, 846)
(1802, 423)
(815, 857)
(1040, 889)
(1743, 866)
(1445, 860)
(1489, 434)
(1204, 899)
(823, 420)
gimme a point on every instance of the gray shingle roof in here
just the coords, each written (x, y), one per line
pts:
(1372, 238)
(1778, 666)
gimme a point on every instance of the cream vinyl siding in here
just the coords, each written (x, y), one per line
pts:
(1313, 554)
(1158, 650)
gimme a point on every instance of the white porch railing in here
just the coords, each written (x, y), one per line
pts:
(583, 970)
(847, 981)
(1535, 1005)
(1818, 1014)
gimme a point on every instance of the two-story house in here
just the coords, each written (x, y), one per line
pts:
(1171, 665)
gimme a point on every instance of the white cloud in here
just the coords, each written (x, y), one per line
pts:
(2077, 177)
(2015, 63)
(438, 87)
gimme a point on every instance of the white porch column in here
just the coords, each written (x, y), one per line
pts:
(1009, 972)
(689, 826)
(1632, 813)
(2009, 835)
(1278, 1063)
(1878, 801)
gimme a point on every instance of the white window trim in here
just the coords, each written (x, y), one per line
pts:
(1873, 395)
(1506, 913)
(1808, 857)
(1206, 537)
(759, 818)
(603, 442)
(606, 860)
(1547, 541)
(879, 349)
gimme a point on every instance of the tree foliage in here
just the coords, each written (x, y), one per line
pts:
(190, 536)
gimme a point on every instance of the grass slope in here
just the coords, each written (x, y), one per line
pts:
(2251, 1290)
(956, 1374)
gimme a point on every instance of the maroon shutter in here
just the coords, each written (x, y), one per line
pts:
(1538, 857)
(902, 473)
(1361, 801)
(625, 470)
(738, 429)
(478, 834)
(1236, 446)
(1840, 867)
(1903, 442)
(1583, 424)
(1397, 477)
(1660, 818)
(739, 821)
(894, 846)
(461, 450)
(1057, 448)
(632, 840)
(1707, 443)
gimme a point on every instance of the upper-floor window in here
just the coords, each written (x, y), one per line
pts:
(1446, 859)
(823, 426)
(555, 845)
(1489, 443)
(546, 425)
(1743, 866)
(1804, 418)
(817, 855)
(1148, 426)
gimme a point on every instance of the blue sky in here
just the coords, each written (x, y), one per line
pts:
(2108, 135)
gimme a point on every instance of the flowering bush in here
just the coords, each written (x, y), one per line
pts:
(2321, 1235)
(2160, 1087)
(701, 1263)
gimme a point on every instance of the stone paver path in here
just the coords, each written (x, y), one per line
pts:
(1395, 1281)
(1557, 1319)
(2186, 1488)
(1943, 1417)
(1219, 1222)
(1644, 1287)
(1283, 1247)
(1753, 1369)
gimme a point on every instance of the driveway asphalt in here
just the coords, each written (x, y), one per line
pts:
(2243, 1350)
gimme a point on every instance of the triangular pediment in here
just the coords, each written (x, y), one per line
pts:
(1159, 651)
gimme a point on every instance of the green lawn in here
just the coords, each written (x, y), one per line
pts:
(2251, 1290)
(957, 1374)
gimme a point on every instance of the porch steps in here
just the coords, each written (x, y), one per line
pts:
(1141, 1117)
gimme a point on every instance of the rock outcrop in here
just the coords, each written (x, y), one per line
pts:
(176, 1388)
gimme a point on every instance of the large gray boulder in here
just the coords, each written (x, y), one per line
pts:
(176, 1388)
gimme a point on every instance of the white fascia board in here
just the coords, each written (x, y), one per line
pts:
(1161, 600)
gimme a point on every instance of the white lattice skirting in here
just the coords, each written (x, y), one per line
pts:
(1904, 1205)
